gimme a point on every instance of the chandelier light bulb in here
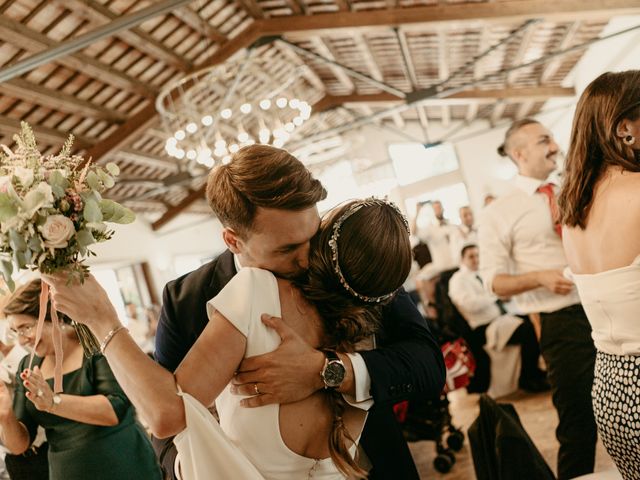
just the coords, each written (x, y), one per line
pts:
(243, 137)
(220, 144)
(191, 154)
(278, 143)
(191, 127)
(294, 103)
(171, 141)
(289, 127)
(207, 120)
(219, 152)
(297, 121)
(245, 108)
(251, 141)
(281, 102)
(305, 114)
(226, 113)
(180, 135)
(208, 162)
(234, 147)
(265, 104)
(226, 159)
(179, 154)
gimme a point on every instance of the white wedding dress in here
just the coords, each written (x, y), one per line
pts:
(247, 443)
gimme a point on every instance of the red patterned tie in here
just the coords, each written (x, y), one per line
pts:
(547, 190)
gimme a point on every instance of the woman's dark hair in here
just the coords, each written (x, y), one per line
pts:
(26, 301)
(595, 145)
(375, 260)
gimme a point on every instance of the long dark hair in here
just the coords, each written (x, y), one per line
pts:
(595, 144)
(375, 259)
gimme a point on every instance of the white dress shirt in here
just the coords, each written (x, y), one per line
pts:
(361, 378)
(467, 293)
(461, 236)
(516, 236)
(437, 236)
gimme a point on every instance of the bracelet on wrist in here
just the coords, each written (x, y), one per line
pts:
(109, 337)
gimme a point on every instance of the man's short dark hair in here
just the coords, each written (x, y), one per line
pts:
(467, 247)
(260, 176)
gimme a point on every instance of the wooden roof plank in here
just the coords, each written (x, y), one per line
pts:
(187, 15)
(33, 41)
(98, 13)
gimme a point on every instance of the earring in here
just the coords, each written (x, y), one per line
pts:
(629, 140)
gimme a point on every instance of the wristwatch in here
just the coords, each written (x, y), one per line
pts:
(333, 371)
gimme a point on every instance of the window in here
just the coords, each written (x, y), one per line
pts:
(413, 161)
(452, 197)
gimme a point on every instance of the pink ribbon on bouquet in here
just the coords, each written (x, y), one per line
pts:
(56, 334)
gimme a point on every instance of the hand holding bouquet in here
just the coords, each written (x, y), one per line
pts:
(51, 212)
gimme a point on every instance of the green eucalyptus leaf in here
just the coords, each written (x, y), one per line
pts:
(113, 169)
(106, 179)
(16, 241)
(93, 181)
(96, 226)
(85, 238)
(35, 244)
(6, 268)
(8, 208)
(92, 212)
(116, 213)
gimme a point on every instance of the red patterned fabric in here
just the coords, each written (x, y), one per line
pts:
(459, 363)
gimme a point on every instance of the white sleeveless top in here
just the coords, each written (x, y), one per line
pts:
(256, 431)
(611, 300)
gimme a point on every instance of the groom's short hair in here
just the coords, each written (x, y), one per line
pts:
(260, 176)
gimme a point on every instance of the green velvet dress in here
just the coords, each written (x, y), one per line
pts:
(79, 451)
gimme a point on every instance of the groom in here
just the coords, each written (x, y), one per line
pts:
(265, 199)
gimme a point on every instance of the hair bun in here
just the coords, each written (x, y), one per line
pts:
(501, 151)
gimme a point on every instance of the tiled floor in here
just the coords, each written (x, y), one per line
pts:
(538, 417)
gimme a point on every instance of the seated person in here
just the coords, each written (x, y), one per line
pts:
(480, 309)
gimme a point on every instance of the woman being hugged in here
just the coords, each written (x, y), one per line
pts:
(600, 211)
(357, 261)
(91, 427)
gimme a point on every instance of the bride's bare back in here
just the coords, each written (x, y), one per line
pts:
(305, 425)
(612, 237)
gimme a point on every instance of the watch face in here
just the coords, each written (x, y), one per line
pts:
(57, 399)
(334, 374)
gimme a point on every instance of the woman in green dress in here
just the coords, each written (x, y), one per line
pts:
(91, 427)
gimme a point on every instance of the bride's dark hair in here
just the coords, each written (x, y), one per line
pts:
(374, 258)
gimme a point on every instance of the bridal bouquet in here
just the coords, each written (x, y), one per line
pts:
(52, 211)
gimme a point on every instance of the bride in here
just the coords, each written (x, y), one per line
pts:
(359, 258)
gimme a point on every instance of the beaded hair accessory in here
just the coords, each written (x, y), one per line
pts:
(333, 244)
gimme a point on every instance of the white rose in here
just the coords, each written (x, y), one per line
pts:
(24, 175)
(57, 231)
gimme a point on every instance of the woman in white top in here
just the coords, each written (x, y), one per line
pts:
(600, 208)
(359, 258)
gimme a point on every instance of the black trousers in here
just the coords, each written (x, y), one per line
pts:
(525, 336)
(568, 350)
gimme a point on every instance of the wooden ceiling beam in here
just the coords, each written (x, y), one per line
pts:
(499, 11)
(252, 8)
(323, 49)
(16, 33)
(187, 15)
(443, 73)
(57, 100)
(518, 58)
(498, 110)
(136, 37)
(49, 136)
(524, 93)
(174, 211)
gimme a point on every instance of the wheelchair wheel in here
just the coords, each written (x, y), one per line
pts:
(442, 463)
(455, 440)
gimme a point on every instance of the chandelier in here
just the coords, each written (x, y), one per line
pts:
(210, 114)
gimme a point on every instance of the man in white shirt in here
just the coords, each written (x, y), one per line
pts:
(480, 309)
(437, 236)
(523, 257)
(464, 234)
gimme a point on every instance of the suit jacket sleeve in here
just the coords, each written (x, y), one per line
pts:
(171, 346)
(408, 362)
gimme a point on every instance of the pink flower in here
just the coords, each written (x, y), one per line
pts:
(57, 230)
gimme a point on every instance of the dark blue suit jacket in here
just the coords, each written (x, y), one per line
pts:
(407, 364)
